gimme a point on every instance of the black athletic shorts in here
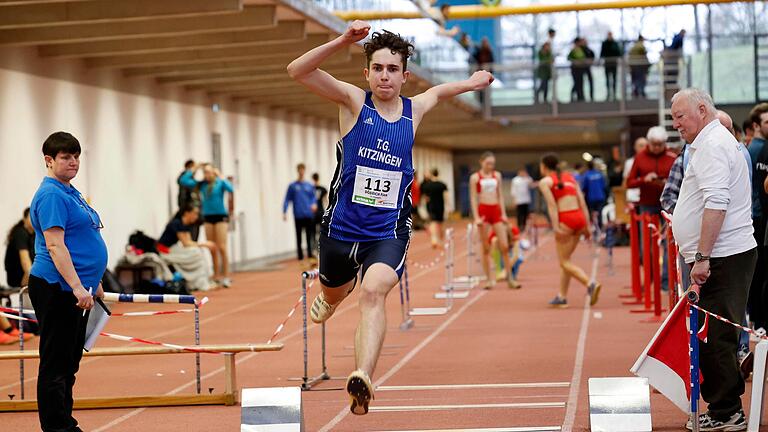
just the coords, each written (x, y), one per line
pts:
(214, 219)
(341, 260)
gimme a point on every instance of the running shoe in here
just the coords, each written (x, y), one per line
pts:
(594, 292)
(737, 422)
(360, 392)
(558, 302)
(6, 339)
(15, 333)
(513, 283)
(321, 310)
(226, 282)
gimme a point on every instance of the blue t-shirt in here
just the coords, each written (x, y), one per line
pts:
(58, 205)
(302, 195)
(593, 184)
(213, 197)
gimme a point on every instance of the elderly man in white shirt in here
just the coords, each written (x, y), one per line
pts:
(712, 224)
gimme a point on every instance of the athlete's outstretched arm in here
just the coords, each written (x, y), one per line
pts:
(305, 69)
(424, 102)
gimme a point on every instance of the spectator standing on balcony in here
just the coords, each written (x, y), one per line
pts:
(677, 41)
(466, 42)
(638, 67)
(577, 58)
(484, 60)
(551, 37)
(610, 52)
(589, 60)
(544, 71)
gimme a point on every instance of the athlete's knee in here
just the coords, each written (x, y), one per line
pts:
(372, 295)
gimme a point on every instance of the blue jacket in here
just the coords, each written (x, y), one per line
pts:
(593, 184)
(302, 195)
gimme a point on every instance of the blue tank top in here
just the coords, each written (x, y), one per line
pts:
(370, 197)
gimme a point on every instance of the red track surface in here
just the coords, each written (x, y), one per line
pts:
(500, 336)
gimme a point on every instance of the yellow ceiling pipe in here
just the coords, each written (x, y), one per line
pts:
(480, 11)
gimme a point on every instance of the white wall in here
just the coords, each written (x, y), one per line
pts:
(136, 136)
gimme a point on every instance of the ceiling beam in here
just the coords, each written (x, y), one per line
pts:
(284, 31)
(250, 18)
(207, 55)
(75, 12)
(227, 77)
(246, 64)
(254, 83)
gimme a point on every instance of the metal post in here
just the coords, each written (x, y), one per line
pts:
(470, 253)
(405, 302)
(448, 265)
(197, 342)
(694, 350)
(324, 375)
(305, 378)
(21, 338)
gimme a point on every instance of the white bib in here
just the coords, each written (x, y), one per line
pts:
(377, 188)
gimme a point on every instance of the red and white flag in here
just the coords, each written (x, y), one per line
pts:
(666, 360)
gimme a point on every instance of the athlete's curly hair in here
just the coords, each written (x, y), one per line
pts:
(395, 43)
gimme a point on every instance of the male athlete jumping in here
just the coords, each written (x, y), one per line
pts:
(368, 221)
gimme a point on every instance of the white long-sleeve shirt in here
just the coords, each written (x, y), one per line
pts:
(717, 178)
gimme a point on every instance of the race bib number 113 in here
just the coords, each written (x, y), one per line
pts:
(377, 188)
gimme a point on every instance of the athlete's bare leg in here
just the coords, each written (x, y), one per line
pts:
(222, 231)
(378, 281)
(500, 229)
(486, 261)
(565, 246)
(333, 296)
(210, 235)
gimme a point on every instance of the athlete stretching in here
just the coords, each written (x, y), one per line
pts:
(368, 221)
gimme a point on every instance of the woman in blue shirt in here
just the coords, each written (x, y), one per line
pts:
(70, 260)
(215, 216)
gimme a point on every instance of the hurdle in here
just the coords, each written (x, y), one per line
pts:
(228, 397)
(468, 281)
(651, 269)
(451, 290)
(447, 259)
(308, 382)
(405, 302)
(170, 299)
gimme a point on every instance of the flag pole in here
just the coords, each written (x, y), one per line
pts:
(693, 298)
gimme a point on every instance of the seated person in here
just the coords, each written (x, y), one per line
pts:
(515, 255)
(19, 253)
(177, 248)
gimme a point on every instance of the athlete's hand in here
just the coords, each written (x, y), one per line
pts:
(356, 31)
(560, 232)
(480, 80)
(587, 233)
(479, 221)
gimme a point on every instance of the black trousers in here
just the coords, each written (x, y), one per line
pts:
(62, 336)
(725, 293)
(756, 301)
(522, 216)
(308, 227)
(610, 80)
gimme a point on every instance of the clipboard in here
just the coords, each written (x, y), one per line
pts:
(97, 319)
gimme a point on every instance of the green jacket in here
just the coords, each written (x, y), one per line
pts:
(544, 70)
